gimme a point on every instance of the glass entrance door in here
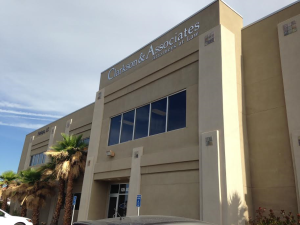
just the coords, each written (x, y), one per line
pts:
(118, 198)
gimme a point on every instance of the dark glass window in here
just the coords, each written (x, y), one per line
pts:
(44, 158)
(31, 161)
(158, 117)
(124, 188)
(122, 205)
(177, 111)
(41, 157)
(142, 122)
(127, 126)
(112, 206)
(114, 189)
(114, 132)
(35, 159)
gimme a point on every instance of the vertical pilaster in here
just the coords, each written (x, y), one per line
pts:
(135, 181)
(68, 126)
(218, 111)
(87, 210)
(50, 143)
(27, 161)
(210, 182)
(53, 199)
(289, 44)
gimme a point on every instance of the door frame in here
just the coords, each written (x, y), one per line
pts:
(115, 195)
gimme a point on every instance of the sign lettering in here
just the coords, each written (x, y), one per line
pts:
(158, 51)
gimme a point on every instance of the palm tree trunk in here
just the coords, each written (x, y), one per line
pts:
(69, 196)
(59, 204)
(23, 210)
(36, 216)
(4, 202)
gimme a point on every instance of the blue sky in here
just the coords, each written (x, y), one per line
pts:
(52, 53)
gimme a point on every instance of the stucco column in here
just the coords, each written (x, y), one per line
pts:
(68, 126)
(54, 199)
(50, 143)
(86, 208)
(27, 161)
(289, 45)
(135, 181)
(210, 177)
(220, 158)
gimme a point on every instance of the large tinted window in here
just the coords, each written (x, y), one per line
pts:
(177, 111)
(35, 159)
(114, 133)
(158, 117)
(41, 158)
(31, 161)
(127, 126)
(142, 122)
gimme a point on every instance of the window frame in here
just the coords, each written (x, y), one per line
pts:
(34, 159)
(149, 119)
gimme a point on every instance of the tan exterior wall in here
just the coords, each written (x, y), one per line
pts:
(290, 55)
(81, 124)
(182, 138)
(271, 167)
(158, 150)
(173, 193)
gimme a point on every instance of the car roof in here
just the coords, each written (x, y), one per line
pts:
(139, 220)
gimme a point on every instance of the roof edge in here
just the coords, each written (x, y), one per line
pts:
(61, 118)
(271, 14)
(231, 8)
(163, 34)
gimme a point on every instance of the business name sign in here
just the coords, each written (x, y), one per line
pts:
(43, 131)
(155, 52)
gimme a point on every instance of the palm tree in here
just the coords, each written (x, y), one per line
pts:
(1, 186)
(49, 171)
(17, 192)
(69, 156)
(7, 178)
(37, 190)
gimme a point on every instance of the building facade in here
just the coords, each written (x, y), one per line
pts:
(203, 122)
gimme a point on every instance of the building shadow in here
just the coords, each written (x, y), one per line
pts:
(236, 210)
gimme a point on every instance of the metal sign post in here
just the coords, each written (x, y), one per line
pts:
(74, 203)
(138, 203)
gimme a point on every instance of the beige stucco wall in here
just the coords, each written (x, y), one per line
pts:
(148, 82)
(271, 167)
(174, 193)
(289, 56)
(81, 124)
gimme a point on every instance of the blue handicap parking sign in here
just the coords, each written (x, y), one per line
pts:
(74, 200)
(138, 200)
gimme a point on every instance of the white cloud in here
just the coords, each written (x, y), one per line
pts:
(23, 125)
(54, 65)
(28, 113)
(25, 117)
(13, 105)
